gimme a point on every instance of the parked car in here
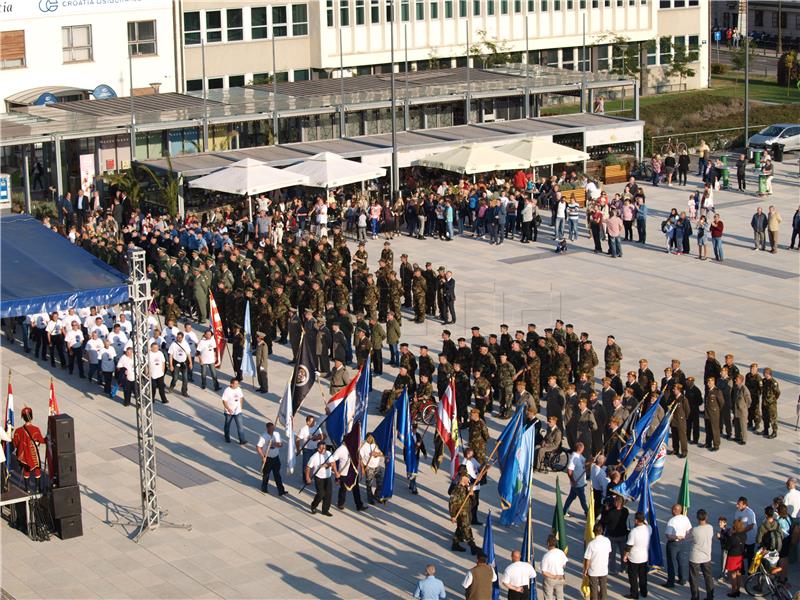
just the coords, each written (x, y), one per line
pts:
(786, 134)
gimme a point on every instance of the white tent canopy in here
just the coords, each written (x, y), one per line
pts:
(539, 152)
(472, 158)
(248, 177)
(329, 170)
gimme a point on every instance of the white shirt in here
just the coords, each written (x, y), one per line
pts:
(53, 327)
(232, 398)
(554, 561)
(68, 320)
(107, 359)
(473, 469)
(170, 333)
(206, 351)
(468, 579)
(190, 337)
(177, 351)
(369, 461)
(597, 552)
(577, 464)
(155, 362)
(125, 326)
(118, 340)
(93, 349)
(518, 574)
(102, 330)
(748, 517)
(89, 322)
(639, 540)
(792, 502)
(264, 441)
(679, 526)
(74, 338)
(39, 320)
(319, 459)
(342, 459)
(599, 479)
(561, 210)
(125, 362)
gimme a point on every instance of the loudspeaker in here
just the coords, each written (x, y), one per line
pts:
(69, 527)
(61, 430)
(66, 501)
(65, 469)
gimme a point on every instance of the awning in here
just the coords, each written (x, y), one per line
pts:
(329, 170)
(537, 152)
(472, 158)
(248, 177)
(43, 272)
(28, 97)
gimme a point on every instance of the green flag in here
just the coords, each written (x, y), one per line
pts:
(559, 527)
(683, 494)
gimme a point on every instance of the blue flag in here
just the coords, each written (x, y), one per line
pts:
(488, 550)
(384, 438)
(348, 406)
(655, 556)
(248, 365)
(509, 438)
(405, 433)
(636, 437)
(520, 474)
(651, 461)
(527, 546)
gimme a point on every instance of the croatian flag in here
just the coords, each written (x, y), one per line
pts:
(447, 425)
(348, 406)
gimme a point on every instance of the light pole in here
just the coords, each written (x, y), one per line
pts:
(205, 93)
(341, 84)
(274, 93)
(133, 113)
(395, 175)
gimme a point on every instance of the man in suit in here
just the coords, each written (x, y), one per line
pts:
(81, 205)
(449, 293)
(551, 441)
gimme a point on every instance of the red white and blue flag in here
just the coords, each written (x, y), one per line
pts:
(348, 406)
(447, 425)
(216, 326)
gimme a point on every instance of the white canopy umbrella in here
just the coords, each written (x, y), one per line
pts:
(248, 177)
(472, 158)
(329, 170)
(539, 152)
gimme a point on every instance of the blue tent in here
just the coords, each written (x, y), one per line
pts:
(41, 271)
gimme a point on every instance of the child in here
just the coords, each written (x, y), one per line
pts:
(668, 227)
(722, 535)
(692, 206)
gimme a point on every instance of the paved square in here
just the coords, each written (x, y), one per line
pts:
(244, 544)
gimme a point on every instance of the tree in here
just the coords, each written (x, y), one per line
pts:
(168, 186)
(625, 57)
(679, 65)
(490, 52)
(126, 181)
(738, 57)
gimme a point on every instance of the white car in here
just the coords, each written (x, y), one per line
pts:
(785, 134)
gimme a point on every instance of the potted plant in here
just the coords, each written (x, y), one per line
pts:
(615, 170)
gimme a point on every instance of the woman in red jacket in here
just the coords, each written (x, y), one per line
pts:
(716, 237)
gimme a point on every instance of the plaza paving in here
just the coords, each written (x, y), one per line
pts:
(244, 544)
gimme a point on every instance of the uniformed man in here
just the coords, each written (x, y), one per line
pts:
(645, 376)
(26, 441)
(461, 514)
(418, 288)
(448, 346)
(551, 440)
(754, 382)
(422, 395)
(482, 392)
(393, 333)
(406, 278)
(555, 401)
(741, 405)
(612, 354)
(425, 363)
(202, 286)
(505, 379)
(523, 396)
(377, 337)
(573, 346)
(401, 382)
(587, 361)
(262, 358)
(478, 435)
(585, 427)
(713, 408)
(678, 421)
(444, 372)
(770, 392)
(562, 366)
(695, 398)
(463, 394)
(340, 376)
(409, 361)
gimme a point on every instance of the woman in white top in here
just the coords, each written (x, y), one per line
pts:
(55, 339)
(156, 365)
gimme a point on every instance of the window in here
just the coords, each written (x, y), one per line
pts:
(405, 14)
(665, 50)
(797, 22)
(531, 5)
(619, 2)
(551, 58)
(389, 9)
(194, 85)
(360, 12)
(476, 8)
(433, 10)
(694, 2)
(679, 3)
(329, 12)
(556, 4)
(631, 2)
(12, 49)
(462, 8)
(302, 74)
(419, 13)
(602, 58)
(489, 7)
(595, 3)
(448, 9)
(774, 19)
(651, 52)
(517, 6)
(236, 81)
(694, 43)
(233, 22)
(279, 28)
(215, 83)
(584, 59)
(607, 3)
(191, 28)
(375, 11)
(213, 26)
(665, 4)
(344, 13)
(759, 18)
(544, 6)
(76, 43)
(299, 19)
(582, 4)
(503, 7)
(258, 22)
(261, 78)
(568, 59)
(141, 38)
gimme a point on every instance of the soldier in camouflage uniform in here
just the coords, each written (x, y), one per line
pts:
(423, 394)
(754, 383)
(280, 311)
(770, 392)
(612, 355)
(505, 378)
(402, 381)
(395, 295)
(533, 374)
(461, 499)
(478, 435)
(444, 371)
(573, 346)
(587, 360)
(482, 392)
(418, 289)
(562, 367)
(371, 297)
(202, 286)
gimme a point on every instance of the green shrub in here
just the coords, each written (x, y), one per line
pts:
(719, 69)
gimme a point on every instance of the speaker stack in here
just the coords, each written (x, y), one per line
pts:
(65, 498)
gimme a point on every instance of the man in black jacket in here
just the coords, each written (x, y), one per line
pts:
(759, 225)
(449, 293)
(741, 167)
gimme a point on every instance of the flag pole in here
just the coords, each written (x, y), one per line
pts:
(480, 475)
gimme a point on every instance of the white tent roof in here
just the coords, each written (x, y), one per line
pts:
(538, 152)
(329, 170)
(472, 158)
(247, 177)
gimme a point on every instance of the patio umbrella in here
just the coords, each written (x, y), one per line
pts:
(329, 170)
(472, 158)
(248, 177)
(538, 152)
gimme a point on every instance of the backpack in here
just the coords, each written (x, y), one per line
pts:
(773, 540)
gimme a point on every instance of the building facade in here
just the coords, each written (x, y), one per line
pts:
(64, 49)
(764, 17)
(237, 40)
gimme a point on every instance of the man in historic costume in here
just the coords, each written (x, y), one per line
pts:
(26, 440)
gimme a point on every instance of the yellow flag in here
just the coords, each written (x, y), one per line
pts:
(588, 536)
